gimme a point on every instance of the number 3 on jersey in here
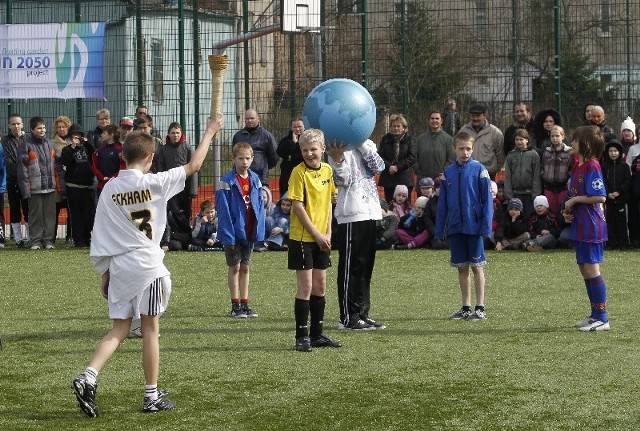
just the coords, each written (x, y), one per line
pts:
(141, 219)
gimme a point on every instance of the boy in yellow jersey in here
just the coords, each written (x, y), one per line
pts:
(310, 189)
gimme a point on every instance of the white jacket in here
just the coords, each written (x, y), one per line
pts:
(358, 198)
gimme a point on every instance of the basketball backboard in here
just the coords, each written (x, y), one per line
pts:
(300, 16)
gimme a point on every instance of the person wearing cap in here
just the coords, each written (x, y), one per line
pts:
(512, 231)
(543, 227)
(617, 182)
(126, 125)
(37, 180)
(413, 228)
(400, 203)
(434, 149)
(426, 187)
(398, 150)
(76, 162)
(521, 120)
(488, 147)
(627, 135)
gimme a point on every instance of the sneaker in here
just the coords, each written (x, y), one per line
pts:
(248, 312)
(36, 247)
(460, 314)
(86, 395)
(157, 405)
(303, 344)
(534, 248)
(193, 247)
(237, 312)
(478, 315)
(324, 341)
(400, 246)
(135, 333)
(49, 246)
(376, 325)
(360, 325)
(1, 245)
(595, 325)
(20, 244)
(584, 322)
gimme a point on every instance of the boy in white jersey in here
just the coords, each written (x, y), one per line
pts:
(125, 249)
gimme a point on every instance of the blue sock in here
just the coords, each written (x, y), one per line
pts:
(597, 292)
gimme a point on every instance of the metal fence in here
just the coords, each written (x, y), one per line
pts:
(412, 55)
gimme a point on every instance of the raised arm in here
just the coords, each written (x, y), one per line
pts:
(213, 126)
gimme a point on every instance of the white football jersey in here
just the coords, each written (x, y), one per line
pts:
(129, 224)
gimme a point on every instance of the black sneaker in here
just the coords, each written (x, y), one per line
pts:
(303, 344)
(248, 312)
(20, 244)
(237, 312)
(86, 395)
(157, 405)
(400, 246)
(376, 325)
(324, 341)
(360, 325)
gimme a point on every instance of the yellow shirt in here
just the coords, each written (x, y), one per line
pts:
(312, 187)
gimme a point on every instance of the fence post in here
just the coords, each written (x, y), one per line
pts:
(181, 90)
(557, 54)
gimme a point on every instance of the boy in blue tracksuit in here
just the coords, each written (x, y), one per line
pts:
(464, 215)
(241, 221)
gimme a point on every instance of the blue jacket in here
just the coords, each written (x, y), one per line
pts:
(232, 213)
(465, 204)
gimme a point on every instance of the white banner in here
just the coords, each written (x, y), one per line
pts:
(54, 61)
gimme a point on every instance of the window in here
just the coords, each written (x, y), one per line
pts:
(410, 9)
(346, 7)
(141, 66)
(157, 70)
(480, 21)
(605, 19)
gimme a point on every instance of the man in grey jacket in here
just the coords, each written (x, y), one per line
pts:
(488, 148)
(435, 150)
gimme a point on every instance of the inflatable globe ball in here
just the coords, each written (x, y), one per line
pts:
(344, 111)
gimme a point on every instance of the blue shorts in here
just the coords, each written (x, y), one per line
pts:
(589, 252)
(467, 250)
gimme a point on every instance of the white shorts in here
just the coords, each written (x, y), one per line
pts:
(152, 301)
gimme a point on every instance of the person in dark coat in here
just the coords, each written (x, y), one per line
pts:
(398, 150)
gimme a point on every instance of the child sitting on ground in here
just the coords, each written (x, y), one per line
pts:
(400, 203)
(278, 225)
(427, 186)
(543, 227)
(512, 229)
(386, 228)
(205, 229)
(414, 228)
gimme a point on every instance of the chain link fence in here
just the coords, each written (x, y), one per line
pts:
(413, 56)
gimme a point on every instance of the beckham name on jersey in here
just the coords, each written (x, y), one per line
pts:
(131, 198)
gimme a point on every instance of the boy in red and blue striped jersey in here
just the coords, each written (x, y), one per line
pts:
(589, 230)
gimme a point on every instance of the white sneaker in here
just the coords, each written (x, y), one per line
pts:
(595, 325)
(135, 333)
(49, 246)
(584, 322)
(36, 247)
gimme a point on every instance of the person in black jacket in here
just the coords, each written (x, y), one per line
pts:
(512, 230)
(290, 153)
(76, 162)
(617, 181)
(399, 151)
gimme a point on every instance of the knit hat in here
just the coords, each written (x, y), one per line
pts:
(426, 182)
(477, 109)
(628, 124)
(515, 204)
(541, 200)
(75, 129)
(401, 188)
(421, 202)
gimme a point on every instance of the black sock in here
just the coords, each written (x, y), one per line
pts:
(316, 309)
(301, 311)
(466, 307)
(479, 307)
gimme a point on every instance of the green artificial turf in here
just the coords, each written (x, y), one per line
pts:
(525, 368)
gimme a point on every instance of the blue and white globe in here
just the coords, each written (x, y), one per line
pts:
(344, 111)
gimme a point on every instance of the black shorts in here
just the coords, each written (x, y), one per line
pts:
(307, 255)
